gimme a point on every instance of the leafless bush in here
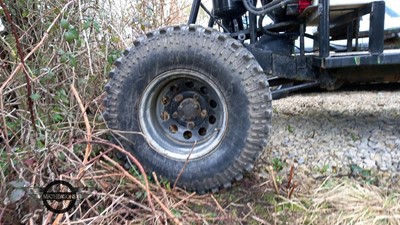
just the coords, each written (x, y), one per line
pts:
(63, 52)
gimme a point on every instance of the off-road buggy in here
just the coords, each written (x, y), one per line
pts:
(193, 103)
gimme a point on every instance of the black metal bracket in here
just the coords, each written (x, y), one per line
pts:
(377, 27)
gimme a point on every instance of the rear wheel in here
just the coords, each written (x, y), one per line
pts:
(195, 94)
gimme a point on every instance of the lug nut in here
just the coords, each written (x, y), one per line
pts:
(178, 98)
(175, 115)
(165, 100)
(203, 113)
(190, 125)
(165, 116)
(173, 128)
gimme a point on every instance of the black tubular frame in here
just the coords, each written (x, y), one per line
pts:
(376, 30)
(253, 26)
(377, 27)
(323, 34)
(376, 56)
(303, 66)
(194, 11)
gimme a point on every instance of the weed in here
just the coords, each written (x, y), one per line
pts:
(177, 213)
(288, 206)
(363, 174)
(324, 168)
(277, 164)
(3, 163)
(279, 179)
(354, 137)
(290, 129)
(270, 198)
(328, 184)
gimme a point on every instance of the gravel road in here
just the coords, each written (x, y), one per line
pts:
(329, 131)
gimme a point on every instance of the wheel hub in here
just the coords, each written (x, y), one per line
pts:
(180, 108)
(189, 110)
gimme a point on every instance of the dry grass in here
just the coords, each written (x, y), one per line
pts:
(109, 193)
(341, 201)
(352, 202)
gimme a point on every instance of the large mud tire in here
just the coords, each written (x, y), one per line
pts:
(219, 93)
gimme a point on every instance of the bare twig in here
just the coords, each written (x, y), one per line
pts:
(166, 210)
(110, 195)
(15, 71)
(86, 40)
(135, 161)
(156, 179)
(290, 177)
(58, 218)
(111, 206)
(1, 214)
(5, 135)
(158, 185)
(218, 205)
(259, 220)
(271, 170)
(183, 200)
(87, 124)
(250, 212)
(22, 59)
(292, 190)
(184, 166)
(99, 156)
(219, 219)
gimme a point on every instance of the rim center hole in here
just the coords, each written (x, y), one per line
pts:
(189, 109)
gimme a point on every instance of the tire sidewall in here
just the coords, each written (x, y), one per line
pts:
(184, 55)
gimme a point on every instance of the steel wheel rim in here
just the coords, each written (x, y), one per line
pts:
(182, 112)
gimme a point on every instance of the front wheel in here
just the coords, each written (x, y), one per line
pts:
(197, 96)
